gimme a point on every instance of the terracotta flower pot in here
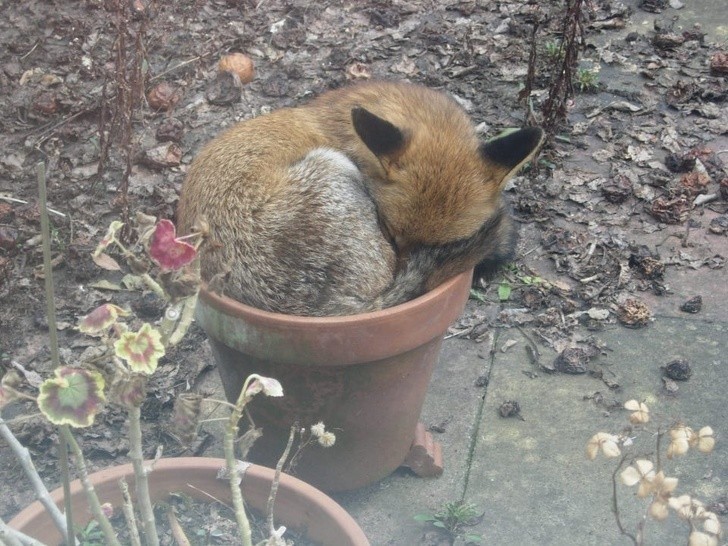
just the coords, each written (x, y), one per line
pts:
(298, 505)
(365, 376)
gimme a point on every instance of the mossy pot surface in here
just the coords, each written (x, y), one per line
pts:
(298, 505)
(365, 376)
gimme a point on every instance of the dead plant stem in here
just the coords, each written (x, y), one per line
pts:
(140, 475)
(53, 338)
(88, 487)
(128, 508)
(277, 479)
(615, 504)
(26, 462)
(234, 472)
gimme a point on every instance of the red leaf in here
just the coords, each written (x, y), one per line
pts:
(167, 251)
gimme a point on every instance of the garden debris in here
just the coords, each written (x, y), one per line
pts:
(633, 313)
(238, 64)
(693, 305)
(162, 156)
(510, 408)
(223, 90)
(678, 370)
(164, 96)
(170, 129)
(572, 360)
(719, 63)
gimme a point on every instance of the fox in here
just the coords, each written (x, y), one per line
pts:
(366, 197)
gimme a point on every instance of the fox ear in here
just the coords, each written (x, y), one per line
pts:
(380, 136)
(510, 151)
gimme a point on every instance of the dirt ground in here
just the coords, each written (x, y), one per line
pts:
(646, 144)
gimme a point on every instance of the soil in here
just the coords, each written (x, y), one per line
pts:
(203, 523)
(643, 151)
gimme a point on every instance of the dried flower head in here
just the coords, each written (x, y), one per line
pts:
(687, 508)
(641, 413)
(705, 440)
(662, 488)
(702, 539)
(318, 429)
(266, 385)
(642, 472)
(681, 438)
(711, 524)
(327, 439)
(608, 443)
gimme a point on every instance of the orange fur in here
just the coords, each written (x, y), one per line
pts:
(428, 185)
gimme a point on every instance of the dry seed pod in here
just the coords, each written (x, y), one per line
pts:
(238, 64)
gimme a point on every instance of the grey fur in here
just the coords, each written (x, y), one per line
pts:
(301, 254)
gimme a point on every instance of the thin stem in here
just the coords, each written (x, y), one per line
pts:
(234, 474)
(26, 462)
(277, 479)
(8, 535)
(184, 322)
(660, 434)
(65, 472)
(615, 505)
(47, 267)
(93, 499)
(128, 508)
(53, 338)
(140, 476)
(180, 538)
(153, 285)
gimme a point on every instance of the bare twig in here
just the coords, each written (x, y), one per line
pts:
(140, 476)
(615, 504)
(53, 338)
(277, 479)
(128, 508)
(14, 200)
(177, 532)
(562, 86)
(234, 470)
(26, 462)
(9, 536)
(88, 487)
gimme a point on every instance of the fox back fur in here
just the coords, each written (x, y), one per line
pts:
(362, 199)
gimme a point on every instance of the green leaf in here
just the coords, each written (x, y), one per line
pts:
(438, 523)
(504, 291)
(141, 350)
(73, 397)
(477, 295)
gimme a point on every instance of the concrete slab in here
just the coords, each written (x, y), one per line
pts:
(531, 476)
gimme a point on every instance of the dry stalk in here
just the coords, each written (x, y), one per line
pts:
(562, 84)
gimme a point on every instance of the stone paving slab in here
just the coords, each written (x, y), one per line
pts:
(531, 476)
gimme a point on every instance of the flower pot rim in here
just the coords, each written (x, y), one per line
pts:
(183, 467)
(233, 307)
